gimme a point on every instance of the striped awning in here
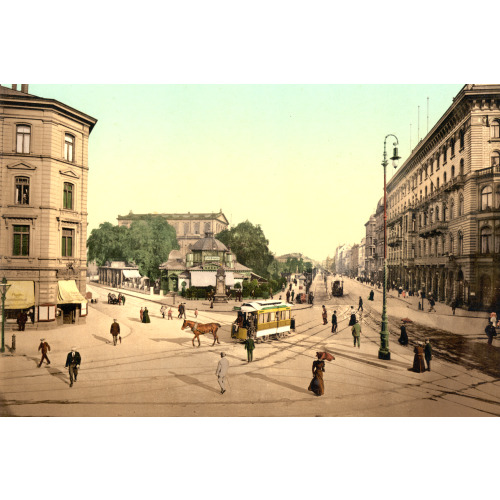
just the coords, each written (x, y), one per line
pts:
(68, 293)
(20, 295)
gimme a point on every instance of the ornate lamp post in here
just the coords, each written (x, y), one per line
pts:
(3, 291)
(384, 352)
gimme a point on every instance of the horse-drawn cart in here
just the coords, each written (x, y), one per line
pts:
(112, 298)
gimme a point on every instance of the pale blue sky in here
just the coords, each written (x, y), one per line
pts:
(303, 161)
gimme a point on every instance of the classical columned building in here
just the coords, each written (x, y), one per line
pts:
(189, 228)
(43, 206)
(444, 205)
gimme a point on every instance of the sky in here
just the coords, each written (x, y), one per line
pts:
(302, 161)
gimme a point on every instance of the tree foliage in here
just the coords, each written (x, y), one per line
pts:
(250, 246)
(147, 242)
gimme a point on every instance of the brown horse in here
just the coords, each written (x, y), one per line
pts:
(199, 329)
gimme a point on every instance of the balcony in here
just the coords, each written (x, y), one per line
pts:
(485, 172)
(394, 241)
(455, 183)
(438, 227)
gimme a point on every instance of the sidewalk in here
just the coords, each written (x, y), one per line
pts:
(467, 323)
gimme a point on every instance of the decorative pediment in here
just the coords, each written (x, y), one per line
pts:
(21, 165)
(69, 173)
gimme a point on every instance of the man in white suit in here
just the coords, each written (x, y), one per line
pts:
(221, 372)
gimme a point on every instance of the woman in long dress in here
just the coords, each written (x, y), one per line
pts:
(317, 384)
(145, 316)
(418, 360)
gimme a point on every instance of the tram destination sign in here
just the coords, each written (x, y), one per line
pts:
(212, 257)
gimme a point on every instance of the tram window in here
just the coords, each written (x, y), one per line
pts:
(269, 318)
(262, 318)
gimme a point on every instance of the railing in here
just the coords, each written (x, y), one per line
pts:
(437, 227)
(488, 171)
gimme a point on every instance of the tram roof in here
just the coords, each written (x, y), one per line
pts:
(260, 305)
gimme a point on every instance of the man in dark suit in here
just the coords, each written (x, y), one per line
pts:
(73, 361)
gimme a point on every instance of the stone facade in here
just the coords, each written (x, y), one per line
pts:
(43, 200)
(443, 205)
(189, 227)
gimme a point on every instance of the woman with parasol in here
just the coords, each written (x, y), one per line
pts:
(317, 384)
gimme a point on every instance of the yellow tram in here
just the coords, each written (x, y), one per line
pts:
(263, 320)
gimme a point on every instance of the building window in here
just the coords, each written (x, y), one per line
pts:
(460, 205)
(437, 183)
(495, 159)
(445, 153)
(452, 209)
(196, 228)
(68, 196)
(186, 228)
(461, 167)
(452, 147)
(460, 249)
(485, 240)
(486, 197)
(444, 178)
(437, 162)
(207, 227)
(22, 194)
(462, 139)
(444, 212)
(452, 173)
(495, 129)
(426, 191)
(67, 243)
(432, 167)
(452, 244)
(23, 139)
(69, 147)
(437, 214)
(21, 241)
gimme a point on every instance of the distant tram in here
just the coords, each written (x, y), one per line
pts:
(337, 288)
(262, 320)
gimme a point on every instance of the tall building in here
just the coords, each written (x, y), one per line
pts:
(189, 227)
(444, 205)
(43, 205)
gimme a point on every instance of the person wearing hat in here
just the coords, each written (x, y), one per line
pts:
(403, 339)
(428, 354)
(221, 372)
(73, 361)
(44, 347)
(324, 316)
(334, 322)
(115, 331)
(249, 346)
(418, 360)
(356, 333)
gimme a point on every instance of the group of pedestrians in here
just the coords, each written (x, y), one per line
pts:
(73, 359)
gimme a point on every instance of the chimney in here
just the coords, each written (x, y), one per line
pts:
(14, 86)
(24, 88)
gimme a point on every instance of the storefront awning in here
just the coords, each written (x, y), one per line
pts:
(68, 293)
(131, 273)
(21, 295)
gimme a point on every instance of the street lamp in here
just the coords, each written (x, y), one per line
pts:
(384, 352)
(3, 291)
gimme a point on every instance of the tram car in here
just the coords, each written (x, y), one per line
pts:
(337, 288)
(262, 320)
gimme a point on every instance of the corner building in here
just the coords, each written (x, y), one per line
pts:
(43, 207)
(443, 228)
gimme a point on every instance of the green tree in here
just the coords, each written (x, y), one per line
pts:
(148, 242)
(250, 246)
(108, 242)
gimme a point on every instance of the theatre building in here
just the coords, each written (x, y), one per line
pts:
(444, 206)
(43, 207)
